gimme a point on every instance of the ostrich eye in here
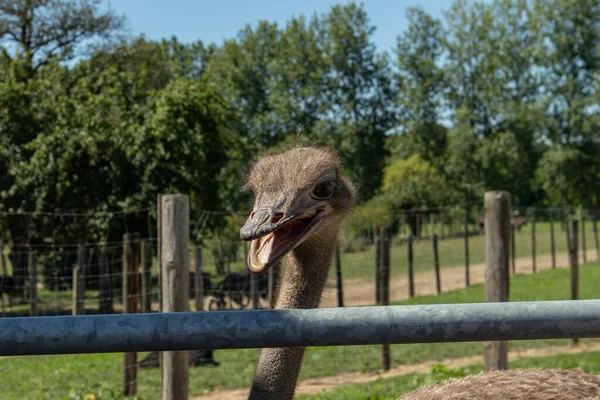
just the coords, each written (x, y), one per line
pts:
(324, 190)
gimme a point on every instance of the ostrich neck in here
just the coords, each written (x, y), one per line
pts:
(304, 278)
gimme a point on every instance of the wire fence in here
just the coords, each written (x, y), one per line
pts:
(94, 263)
(431, 251)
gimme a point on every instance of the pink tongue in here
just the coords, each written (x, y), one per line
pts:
(272, 243)
(266, 249)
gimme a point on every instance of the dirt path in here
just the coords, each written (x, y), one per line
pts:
(318, 385)
(360, 292)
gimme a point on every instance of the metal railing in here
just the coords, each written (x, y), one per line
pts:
(287, 328)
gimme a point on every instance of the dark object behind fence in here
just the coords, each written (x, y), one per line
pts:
(338, 277)
(466, 240)
(196, 358)
(411, 268)
(436, 264)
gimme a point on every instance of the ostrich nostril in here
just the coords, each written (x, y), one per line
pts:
(276, 217)
(252, 214)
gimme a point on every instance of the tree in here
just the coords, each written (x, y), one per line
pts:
(241, 69)
(560, 176)
(413, 183)
(43, 33)
(519, 49)
(571, 30)
(359, 93)
(45, 30)
(181, 145)
(420, 78)
(297, 78)
(188, 60)
(471, 61)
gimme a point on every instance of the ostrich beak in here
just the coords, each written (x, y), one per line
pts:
(273, 234)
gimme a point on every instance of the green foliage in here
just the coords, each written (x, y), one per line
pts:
(500, 94)
(442, 373)
(98, 392)
(181, 145)
(360, 95)
(43, 31)
(421, 84)
(414, 183)
(410, 183)
(560, 178)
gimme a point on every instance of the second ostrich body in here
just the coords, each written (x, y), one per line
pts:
(300, 200)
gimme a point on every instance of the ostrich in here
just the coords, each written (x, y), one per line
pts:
(300, 200)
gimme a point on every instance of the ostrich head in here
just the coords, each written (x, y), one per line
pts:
(299, 197)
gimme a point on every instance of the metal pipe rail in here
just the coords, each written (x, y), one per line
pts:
(286, 328)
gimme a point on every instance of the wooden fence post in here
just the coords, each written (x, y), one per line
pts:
(552, 246)
(583, 246)
(596, 237)
(411, 270)
(159, 255)
(533, 266)
(467, 275)
(221, 263)
(436, 263)
(574, 261)
(78, 282)
(3, 267)
(513, 250)
(4, 270)
(130, 293)
(199, 283)
(377, 242)
(175, 266)
(32, 284)
(497, 236)
(385, 286)
(146, 252)
(338, 276)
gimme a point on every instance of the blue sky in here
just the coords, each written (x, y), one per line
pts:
(213, 21)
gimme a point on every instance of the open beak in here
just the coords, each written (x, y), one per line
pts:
(272, 240)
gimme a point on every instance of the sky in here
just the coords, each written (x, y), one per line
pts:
(214, 21)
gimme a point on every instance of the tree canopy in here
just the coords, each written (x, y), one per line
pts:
(500, 94)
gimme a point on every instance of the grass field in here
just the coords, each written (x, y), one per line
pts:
(360, 264)
(59, 377)
(390, 389)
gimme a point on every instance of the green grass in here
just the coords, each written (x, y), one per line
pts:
(451, 253)
(384, 389)
(54, 377)
(360, 264)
